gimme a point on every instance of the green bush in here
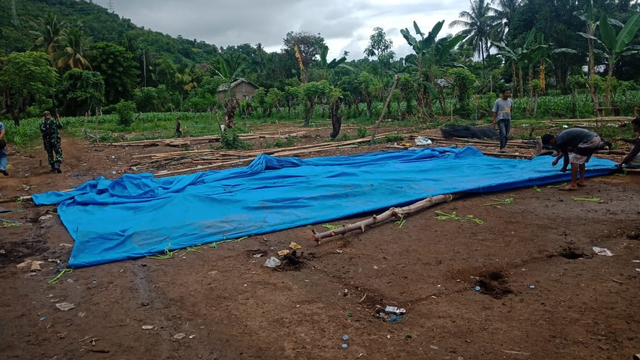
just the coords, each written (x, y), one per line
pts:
(394, 137)
(28, 131)
(362, 132)
(231, 141)
(125, 110)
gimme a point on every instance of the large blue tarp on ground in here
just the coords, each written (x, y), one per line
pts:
(138, 215)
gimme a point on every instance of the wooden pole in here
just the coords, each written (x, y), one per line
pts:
(384, 109)
(395, 213)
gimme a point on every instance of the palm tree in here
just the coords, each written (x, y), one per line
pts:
(477, 27)
(504, 12)
(49, 35)
(72, 52)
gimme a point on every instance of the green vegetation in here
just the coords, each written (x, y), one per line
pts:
(78, 57)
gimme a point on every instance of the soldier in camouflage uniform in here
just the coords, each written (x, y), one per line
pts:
(51, 138)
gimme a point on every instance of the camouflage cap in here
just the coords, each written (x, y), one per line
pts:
(46, 113)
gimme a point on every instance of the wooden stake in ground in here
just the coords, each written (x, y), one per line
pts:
(395, 213)
(384, 109)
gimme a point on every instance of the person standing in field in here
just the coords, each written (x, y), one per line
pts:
(502, 117)
(633, 158)
(3, 152)
(51, 139)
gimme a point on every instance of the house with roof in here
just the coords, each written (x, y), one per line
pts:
(242, 89)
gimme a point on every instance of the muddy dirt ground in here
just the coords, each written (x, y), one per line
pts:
(544, 293)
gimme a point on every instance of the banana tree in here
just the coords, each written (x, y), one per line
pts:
(591, 24)
(329, 66)
(431, 56)
(419, 59)
(616, 45)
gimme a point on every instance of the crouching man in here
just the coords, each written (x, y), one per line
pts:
(633, 158)
(583, 143)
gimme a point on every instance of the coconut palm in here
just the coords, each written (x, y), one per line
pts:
(49, 34)
(477, 25)
(504, 11)
(72, 51)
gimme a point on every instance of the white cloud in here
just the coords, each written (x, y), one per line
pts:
(345, 24)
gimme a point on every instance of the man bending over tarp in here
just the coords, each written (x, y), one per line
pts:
(633, 158)
(583, 143)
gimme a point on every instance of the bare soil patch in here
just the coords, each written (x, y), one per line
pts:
(544, 293)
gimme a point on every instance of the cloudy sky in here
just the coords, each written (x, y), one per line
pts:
(345, 24)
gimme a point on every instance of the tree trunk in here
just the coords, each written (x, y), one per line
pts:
(528, 110)
(336, 119)
(607, 90)
(384, 109)
(521, 82)
(482, 56)
(310, 108)
(514, 81)
(16, 117)
(230, 108)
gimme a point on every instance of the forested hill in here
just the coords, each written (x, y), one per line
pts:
(97, 23)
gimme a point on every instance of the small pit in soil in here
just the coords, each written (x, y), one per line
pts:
(292, 262)
(494, 284)
(16, 251)
(571, 254)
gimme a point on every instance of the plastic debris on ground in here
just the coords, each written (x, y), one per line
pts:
(283, 252)
(422, 141)
(295, 246)
(272, 262)
(602, 251)
(65, 306)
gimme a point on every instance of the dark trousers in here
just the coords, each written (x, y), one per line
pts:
(504, 126)
(52, 147)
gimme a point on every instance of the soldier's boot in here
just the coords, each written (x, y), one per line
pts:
(57, 166)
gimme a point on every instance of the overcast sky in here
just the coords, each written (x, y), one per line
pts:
(344, 24)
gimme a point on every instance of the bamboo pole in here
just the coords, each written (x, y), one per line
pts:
(392, 213)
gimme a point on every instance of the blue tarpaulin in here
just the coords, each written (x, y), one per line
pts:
(138, 214)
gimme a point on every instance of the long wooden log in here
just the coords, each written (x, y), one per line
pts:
(211, 138)
(392, 213)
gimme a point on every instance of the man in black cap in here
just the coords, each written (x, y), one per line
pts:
(51, 139)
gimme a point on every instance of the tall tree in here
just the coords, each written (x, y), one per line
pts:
(504, 12)
(305, 46)
(118, 69)
(379, 44)
(49, 34)
(71, 54)
(83, 91)
(477, 25)
(24, 79)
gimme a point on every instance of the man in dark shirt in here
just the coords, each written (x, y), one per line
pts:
(633, 158)
(583, 143)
